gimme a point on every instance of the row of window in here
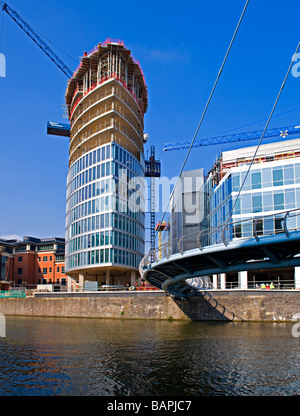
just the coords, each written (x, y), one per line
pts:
(45, 270)
(102, 256)
(107, 220)
(110, 185)
(257, 202)
(45, 258)
(265, 226)
(100, 171)
(267, 177)
(48, 247)
(102, 154)
(105, 238)
(268, 201)
(44, 281)
(101, 204)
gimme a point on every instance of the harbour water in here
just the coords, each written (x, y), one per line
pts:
(102, 357)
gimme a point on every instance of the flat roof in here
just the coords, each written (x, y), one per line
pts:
(269, 149)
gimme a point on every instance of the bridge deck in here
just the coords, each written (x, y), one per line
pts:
(171, 273)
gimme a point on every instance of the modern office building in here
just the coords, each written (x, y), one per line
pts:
(106, 100)
(271, 187)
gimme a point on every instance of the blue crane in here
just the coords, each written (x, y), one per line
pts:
(237, 137)
(37, 39)
(53, 128)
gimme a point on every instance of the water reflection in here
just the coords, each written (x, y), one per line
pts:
(56, 356)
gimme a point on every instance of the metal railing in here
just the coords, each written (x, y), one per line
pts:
(282, 222)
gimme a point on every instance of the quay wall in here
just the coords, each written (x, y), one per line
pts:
(250, 305)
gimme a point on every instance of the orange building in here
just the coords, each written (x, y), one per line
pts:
(34, 261)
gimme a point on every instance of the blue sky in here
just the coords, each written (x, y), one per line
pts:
(180, 47)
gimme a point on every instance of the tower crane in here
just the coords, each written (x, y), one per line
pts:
(237, 137)
(53, 128)
(37, 39)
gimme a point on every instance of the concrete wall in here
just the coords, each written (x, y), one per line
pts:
(256, 305)
(129, 306)
(250, 305)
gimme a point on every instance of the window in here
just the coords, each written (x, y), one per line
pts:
(289, 198)
(267, 201)
(278, 201)
(45, 258)
(267, 177)
(297, 172)
(44, 270)
(237, 232)
(50, 269)
(62, 269)
(246, 204)
(50, 258)
(278, 225)
(20, 258)
(256, 203)
(256, 180)
(258, 227)
(57, 269)
(277, 177)
(20, 270)
(45, 247)
(288, 175)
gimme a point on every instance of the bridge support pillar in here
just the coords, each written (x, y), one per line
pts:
(215, 281)
(81, 282)
(107, 277)
(297, 277)
(243, 280)
(223, 281)
(132, 278)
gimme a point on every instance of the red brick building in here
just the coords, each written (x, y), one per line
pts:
(34, 261)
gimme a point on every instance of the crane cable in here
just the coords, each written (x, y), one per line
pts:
(260, 140)
(206, 106)
(1, 29)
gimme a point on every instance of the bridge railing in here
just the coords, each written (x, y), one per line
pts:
(243, 229)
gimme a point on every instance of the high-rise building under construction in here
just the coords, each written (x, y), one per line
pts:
(105, 228)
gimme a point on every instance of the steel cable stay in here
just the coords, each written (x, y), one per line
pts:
(205, 110)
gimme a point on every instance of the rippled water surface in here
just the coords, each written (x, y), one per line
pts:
(56, 356)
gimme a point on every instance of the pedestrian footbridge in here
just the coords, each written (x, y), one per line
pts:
(179, 266)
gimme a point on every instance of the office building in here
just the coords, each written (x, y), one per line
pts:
(106, 100)
(271, 187)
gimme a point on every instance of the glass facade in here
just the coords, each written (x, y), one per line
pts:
(105, 215)
(268, 189)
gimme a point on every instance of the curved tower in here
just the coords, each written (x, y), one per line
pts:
(106, 100)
